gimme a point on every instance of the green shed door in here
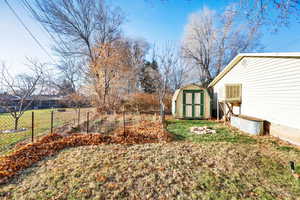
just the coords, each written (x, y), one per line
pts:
(193, 103)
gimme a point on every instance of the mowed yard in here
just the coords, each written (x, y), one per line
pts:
(225, 165)
(42, 125)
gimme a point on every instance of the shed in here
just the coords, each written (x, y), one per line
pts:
(264, 86)
(191, 102)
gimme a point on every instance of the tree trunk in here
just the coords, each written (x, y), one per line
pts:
(105, 88)
(99, 97)
(162, 114)
(16, 123)
(104, 98)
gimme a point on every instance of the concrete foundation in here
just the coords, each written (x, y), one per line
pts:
(291, 135)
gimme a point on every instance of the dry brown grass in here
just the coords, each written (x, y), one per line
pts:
(226, 165)
(176, 170)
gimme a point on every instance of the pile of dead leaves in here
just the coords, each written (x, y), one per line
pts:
(143, 132)
(27, 155)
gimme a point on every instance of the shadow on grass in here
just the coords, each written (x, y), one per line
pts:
(181, 130)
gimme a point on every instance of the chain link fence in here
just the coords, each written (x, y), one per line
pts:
(36, 123)
(106, 123)
(6, 122)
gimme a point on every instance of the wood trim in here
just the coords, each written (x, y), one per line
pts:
(183, 105)
(202, 103)
(193, 104)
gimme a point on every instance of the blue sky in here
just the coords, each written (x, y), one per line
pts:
(152, 20)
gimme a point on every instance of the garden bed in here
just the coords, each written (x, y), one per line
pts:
(27, 155)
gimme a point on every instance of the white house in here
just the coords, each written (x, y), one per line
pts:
(264, 86)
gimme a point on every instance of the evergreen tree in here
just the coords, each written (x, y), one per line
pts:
(148, 76)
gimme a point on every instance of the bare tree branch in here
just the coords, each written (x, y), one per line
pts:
(78, 25)
(211, 40)
(167, 58)
(276, 13)
(21, 90)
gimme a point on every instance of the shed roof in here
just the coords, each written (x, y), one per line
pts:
(240, 56)
(176, 93)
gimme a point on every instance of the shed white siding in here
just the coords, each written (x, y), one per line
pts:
(270, 88)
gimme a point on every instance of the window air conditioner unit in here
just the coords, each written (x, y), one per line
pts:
(233, 92)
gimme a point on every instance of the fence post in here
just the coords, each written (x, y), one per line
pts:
(87, 122)
(32, 126)
(52, 113)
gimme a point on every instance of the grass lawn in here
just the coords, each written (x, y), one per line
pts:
(42, 125)
(227, 165)
(180, 128)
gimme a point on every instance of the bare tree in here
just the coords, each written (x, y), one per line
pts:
(78, 25)
(276, 13)
(80, 28)
(116, 69)
(70, 70)
(211, 41)
(138, 49)
(109, 69)
(20, 91)
(66, 76)
(180, 73)
(166, 56)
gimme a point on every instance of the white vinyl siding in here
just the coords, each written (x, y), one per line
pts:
(270, 88)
